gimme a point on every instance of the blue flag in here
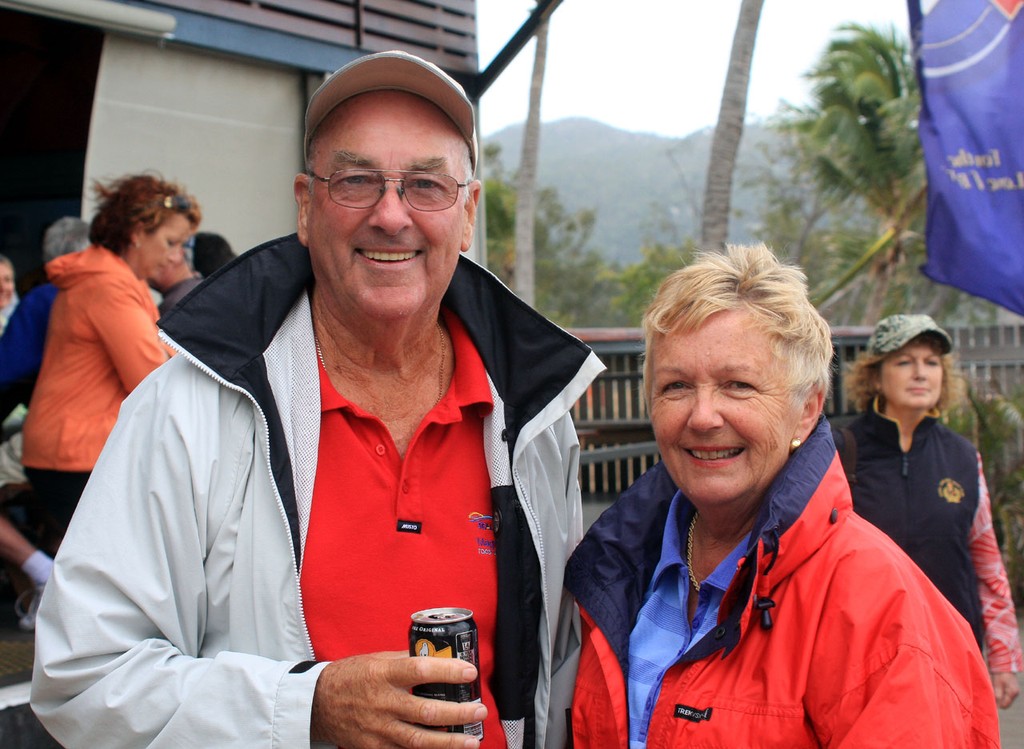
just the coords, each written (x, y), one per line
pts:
(970, 65)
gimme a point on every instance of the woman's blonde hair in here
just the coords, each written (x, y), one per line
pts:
(751, 279)
(863, 378)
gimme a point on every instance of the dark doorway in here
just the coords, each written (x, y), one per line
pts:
(46, 95)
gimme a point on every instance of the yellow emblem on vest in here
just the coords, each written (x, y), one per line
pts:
(951, 491)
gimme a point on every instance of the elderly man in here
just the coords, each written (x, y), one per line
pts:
(175, 279)
(361, 424)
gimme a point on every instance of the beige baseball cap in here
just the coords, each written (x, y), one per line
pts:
(397, 71)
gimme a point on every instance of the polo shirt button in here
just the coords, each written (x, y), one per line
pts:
(719, 632)
(405, 487)
(381, 449)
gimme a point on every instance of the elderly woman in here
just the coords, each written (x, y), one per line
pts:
(923, 484)
(8, 293)
(731, 597)
(102, 338)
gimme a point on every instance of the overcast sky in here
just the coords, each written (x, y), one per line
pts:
(658, 66)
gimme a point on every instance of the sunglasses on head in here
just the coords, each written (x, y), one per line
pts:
(177, 203)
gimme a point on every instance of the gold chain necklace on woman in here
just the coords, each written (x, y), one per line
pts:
(689, 554)
(440, 368)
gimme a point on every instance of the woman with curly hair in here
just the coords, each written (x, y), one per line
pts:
(102, 337)
(923, 484)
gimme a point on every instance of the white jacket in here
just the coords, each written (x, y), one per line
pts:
(174, 614)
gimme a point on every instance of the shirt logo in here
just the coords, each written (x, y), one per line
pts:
(693, 714)
(409, 526)
(951, 491)
(485, 533)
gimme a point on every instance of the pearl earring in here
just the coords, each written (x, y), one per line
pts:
(795, 443)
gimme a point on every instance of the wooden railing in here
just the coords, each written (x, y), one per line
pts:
(615, 431)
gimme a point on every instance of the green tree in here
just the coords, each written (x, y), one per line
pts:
(500, 209)
(826, 235)
(639, 281)
(862, 121)
(814, 229)
(573, 283)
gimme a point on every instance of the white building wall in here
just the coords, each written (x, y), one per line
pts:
(229, 130)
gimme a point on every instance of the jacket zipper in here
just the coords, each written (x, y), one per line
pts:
(273, 482)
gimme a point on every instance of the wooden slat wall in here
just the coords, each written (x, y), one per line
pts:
(443, 31)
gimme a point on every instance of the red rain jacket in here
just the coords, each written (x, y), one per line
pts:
(836, 640)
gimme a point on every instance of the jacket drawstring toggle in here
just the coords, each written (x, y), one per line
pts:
(763, 605)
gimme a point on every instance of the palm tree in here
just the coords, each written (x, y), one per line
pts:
(863, 122)
(726, 141)
(526, 182)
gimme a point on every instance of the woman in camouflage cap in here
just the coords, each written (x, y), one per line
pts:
(923, 484)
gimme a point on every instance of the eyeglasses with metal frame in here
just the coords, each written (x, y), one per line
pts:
(363, 188)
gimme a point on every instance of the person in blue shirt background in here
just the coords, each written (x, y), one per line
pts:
(21, 345)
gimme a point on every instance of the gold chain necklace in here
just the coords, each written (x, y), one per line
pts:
(689, 554)
(440, 369)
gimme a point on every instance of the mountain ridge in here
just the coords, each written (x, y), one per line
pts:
(644, 188)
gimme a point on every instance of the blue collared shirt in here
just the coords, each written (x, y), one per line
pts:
(662, 633)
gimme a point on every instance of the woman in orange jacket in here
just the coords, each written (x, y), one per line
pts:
(102, 336)
(731, 597)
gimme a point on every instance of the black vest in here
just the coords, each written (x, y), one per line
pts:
(925, 500)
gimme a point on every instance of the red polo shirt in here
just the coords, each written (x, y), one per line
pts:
(390, 536)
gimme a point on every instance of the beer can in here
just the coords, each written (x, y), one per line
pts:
(448, 633)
